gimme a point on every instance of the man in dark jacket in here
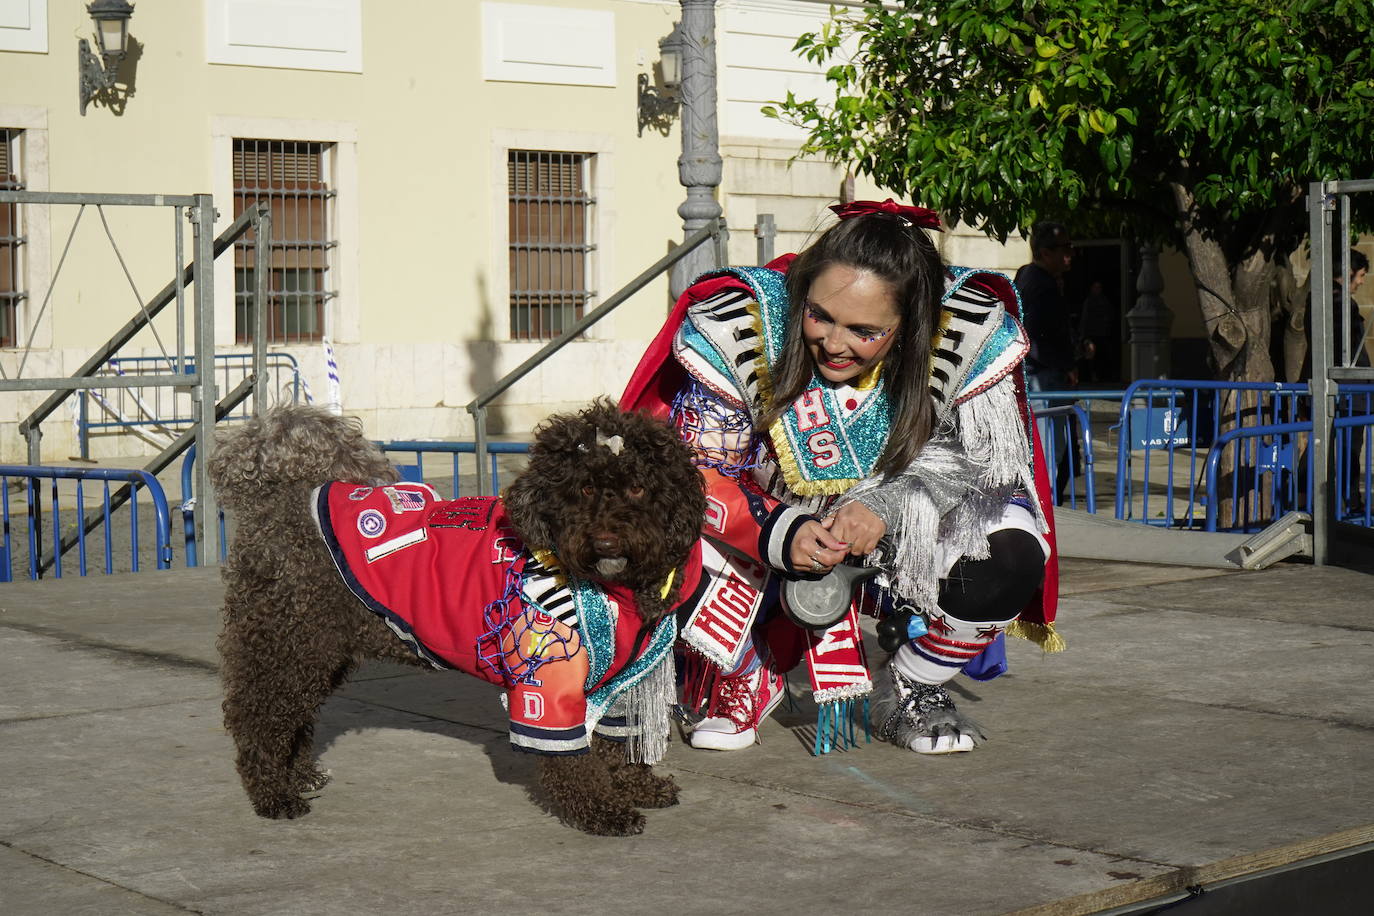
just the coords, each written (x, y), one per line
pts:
(1052, 364)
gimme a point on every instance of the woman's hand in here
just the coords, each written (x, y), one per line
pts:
(816, 550)
(857, 525)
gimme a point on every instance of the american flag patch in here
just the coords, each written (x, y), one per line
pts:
(405, 500)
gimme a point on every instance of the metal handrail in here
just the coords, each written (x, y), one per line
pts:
(478, 406)
(145, 316)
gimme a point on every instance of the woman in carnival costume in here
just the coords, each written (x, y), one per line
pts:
(858, 403)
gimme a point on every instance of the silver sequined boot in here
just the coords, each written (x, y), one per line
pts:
(919, 716)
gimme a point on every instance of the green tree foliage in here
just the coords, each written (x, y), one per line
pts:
(1196, 123)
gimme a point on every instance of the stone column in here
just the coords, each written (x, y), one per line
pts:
(698, 167)
(1149, 320)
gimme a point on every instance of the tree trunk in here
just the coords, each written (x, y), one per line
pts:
(1235, 309)
(1236, 314)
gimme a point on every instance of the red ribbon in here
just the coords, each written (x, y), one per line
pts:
(920, 216)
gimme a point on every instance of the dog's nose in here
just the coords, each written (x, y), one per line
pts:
(607, 545)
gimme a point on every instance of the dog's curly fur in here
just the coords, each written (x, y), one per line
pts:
(293, 633)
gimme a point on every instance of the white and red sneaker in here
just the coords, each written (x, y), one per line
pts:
(738, 705)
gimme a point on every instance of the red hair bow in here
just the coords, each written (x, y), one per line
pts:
(919, 216)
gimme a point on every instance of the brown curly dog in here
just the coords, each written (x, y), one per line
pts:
(614, 496)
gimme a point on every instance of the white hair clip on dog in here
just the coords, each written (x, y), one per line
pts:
(614, 443)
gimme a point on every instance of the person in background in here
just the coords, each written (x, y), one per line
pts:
(1052, 364)
(1097, 331)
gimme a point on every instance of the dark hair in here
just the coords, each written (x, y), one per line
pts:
(1358, 262)
(903, 257)
(1047, 234)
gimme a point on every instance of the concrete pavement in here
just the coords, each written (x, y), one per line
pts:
(1203, 723)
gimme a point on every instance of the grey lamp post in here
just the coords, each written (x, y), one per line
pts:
(1150, 320)
(698, 167)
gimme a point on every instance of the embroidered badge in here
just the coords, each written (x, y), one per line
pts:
(371, 523)
(360, 493)
(470, 512)
(404, 500)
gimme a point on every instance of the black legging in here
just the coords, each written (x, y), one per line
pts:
(982, 590)
(1000, 586)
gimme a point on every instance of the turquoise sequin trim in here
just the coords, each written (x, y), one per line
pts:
(958, 276)
(597, 627)
(699, 344)
(860, 440)
(993, 347)
(659, 645)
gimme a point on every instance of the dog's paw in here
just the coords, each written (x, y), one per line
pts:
(287, 808)
(313, 781)
(615, 822)
(642, 788)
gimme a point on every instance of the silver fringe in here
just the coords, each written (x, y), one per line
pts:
(647, 705)
(952, 494)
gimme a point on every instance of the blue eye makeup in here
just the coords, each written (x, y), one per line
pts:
(861, 334)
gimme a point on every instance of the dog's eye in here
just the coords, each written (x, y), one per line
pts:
(589, 491)
(635, 491)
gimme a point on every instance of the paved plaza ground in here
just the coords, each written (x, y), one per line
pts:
(1203, 724)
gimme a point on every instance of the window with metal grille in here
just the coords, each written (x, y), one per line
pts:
(292, 178)
(11, 238)
(550, 241)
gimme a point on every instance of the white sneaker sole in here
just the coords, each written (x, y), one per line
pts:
(717, 734)
(945, 744)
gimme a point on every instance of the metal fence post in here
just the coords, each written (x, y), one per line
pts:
(262, 253)
(765, 231)
(203, 391)
(1319, 208)
(479, 437)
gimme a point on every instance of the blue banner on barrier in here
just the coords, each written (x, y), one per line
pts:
(1158, 428)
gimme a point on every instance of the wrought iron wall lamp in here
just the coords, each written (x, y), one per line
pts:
(656, 107)
(97, 74)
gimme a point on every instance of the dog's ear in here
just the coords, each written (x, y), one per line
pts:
(527, 508)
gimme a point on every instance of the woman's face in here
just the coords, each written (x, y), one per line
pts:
(849, 322)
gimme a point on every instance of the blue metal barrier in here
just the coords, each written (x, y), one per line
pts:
(1264, 477)
(34, 512)
(420, 447)
(1069, 454)
(409, 471)
(188, 511)
(1183, 416)
(1355, 472)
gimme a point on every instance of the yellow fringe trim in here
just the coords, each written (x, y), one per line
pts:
(869, 380)
(1043, 635)
(792, 474)
(940, 328)
(761, 364)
